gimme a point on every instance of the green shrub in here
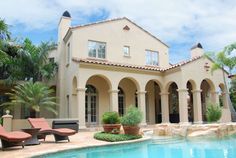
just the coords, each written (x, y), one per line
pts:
(110, 118)
(213, 112)
(132, 117)
(1, 121)
(114, 137)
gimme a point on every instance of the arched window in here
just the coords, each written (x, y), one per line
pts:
(121, 101)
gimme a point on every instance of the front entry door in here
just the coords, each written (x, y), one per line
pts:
(91, 106)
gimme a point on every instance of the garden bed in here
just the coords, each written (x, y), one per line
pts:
(115, 137)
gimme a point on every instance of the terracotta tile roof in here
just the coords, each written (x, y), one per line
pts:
(115, 19)
(145, 67)
(183, 63)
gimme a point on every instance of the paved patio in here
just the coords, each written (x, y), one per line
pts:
(79, 140)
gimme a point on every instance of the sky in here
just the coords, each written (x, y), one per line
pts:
(179, 23)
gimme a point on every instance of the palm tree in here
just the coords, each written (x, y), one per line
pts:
(4, 33)
(223, 60)
(34, 96)
(28, 61)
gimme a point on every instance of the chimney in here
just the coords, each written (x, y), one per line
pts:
(197, 50)
(64, 25)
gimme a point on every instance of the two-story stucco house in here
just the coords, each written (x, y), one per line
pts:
(112, 64)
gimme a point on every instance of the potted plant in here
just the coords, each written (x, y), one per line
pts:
(111, 122)
(131, 120)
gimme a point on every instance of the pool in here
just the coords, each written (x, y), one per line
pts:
(221, 148)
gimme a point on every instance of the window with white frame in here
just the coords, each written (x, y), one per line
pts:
(126, 51)
(97, 49)
(151, 57)
(68, 53)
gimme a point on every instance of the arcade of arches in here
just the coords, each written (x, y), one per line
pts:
(160, 103)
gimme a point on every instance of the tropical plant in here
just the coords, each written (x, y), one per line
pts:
(232, 91)
(26, 61)
(213, 112)
(34, 96)
(110, 118)
(132, 117)
(4, 33)
(225, 61)
(115, 137)
(1, 121)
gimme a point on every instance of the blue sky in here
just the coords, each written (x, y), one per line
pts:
(180, 24)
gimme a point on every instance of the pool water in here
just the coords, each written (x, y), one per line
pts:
(221, 148)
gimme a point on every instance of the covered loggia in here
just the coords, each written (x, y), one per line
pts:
(222, 96)
(207, 88)
(97, 99)
(127, 94)
(173, 103)
(191, 86)
(153, 102)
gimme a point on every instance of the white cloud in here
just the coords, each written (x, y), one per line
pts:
(179, 22)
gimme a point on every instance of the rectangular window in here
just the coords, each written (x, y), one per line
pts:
(151, 57)
(97, 49)
(126, 51)
(68, 53)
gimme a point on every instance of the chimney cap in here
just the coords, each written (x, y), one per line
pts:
(66, 14)
(198, 45)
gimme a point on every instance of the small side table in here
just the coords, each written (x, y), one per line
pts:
(34, 133)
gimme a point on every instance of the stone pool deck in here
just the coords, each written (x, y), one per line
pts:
(79, 140)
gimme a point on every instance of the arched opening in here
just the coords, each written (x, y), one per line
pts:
(153, 102)
(173, 103)
(121, 102)
(91, 105)
(222, 95)
(207, 88)
(190, 102)
(129, 87)
(97, 99)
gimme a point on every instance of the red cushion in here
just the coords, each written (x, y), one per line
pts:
(39, 123)
(15, 136)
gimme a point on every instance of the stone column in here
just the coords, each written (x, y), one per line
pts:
(165, 107)
(142, 105)
(183, 105)
(81, 107)
(113, 100)
(215, 97)
(7, 121)
(197, 106)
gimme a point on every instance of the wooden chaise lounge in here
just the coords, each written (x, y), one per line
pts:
(10, 139)
(59, 134)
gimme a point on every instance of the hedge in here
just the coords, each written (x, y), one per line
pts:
(114, 137)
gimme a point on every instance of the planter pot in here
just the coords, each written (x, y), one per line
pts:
(131, 130)
(112, 128)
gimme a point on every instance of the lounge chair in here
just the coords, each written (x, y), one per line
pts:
(59, 134)
(10, 139)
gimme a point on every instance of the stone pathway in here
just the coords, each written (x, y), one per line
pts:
(79, 140)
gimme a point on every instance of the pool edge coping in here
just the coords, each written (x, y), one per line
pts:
(143, 139)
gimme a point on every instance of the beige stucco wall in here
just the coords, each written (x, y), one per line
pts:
(115, 37)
